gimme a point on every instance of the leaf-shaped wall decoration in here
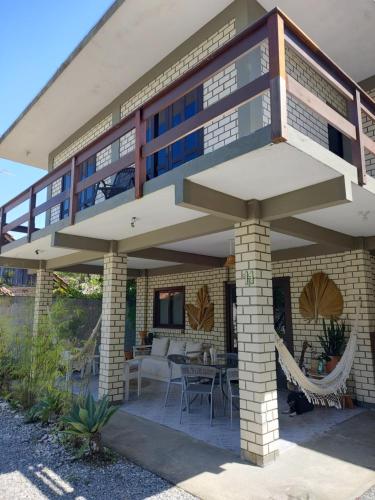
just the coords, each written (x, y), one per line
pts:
(201, 315)
(321, 297)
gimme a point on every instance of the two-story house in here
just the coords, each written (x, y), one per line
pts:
(179, 134)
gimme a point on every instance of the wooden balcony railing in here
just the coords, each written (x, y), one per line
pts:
(275, 27)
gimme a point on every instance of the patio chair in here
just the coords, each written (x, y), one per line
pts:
(233, 390)
(174, 359)
(123, 181)
(231, 359)
(193, 384)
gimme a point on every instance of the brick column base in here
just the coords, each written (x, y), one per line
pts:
(111, 376)
(256, 349)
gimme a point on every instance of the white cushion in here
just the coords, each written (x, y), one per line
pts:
(176, 347)
(193, 349)
(156, 367)
(160, 347)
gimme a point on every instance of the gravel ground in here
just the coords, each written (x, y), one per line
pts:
(369, 495)
(33, 466)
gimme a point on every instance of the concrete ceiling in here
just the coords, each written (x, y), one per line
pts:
(344, 29)
(219, 244)
(114, 54)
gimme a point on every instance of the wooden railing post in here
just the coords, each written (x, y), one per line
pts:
(2, 224)
(277, 72)
(73, 191)
(31, 219)
(140, 162)
(358, 153)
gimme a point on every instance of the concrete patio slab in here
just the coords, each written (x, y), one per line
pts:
(338, 465)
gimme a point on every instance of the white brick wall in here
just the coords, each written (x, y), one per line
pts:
(299, 116)
(214, 279)
(353, 272)
(83, 140)
(369, 129)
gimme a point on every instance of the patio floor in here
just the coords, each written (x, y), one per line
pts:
(293, 431)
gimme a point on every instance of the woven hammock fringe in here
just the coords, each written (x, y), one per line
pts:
(326, 391)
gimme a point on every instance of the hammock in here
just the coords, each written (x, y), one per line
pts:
(81, 360)
(331, 388)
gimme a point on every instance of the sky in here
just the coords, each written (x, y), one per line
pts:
(36, 36)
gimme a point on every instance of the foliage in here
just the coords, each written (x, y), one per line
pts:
(67, 322)
(49, 407)
(78, 285)
(333, 338)
(87, 420)
(30, 364)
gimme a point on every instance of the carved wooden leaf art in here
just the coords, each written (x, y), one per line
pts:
(321, 297)
(201, 316)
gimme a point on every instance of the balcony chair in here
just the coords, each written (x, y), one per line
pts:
(174, 359)
(193, 384)
(123, 181)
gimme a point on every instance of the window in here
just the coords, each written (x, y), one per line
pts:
(169, 308)
(64, 206)
(335, 141)
(186, 149)
(86, 198)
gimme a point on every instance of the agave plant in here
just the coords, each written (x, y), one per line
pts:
(333, 339)
(87, 420)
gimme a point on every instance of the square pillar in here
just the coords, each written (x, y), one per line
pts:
(360, 298)
(256, 348)
(111, 376)
(43, 296)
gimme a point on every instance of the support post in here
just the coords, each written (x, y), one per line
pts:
(2, 224)
(43, 296)
(111, 376)
(358, 154)
(73, 190)
(256, 348)
(140, 162)
(31, 220)
(277, 72)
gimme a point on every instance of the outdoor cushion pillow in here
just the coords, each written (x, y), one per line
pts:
(176, 347)
(193, 349)
(160, 347)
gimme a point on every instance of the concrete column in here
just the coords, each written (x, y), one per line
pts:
(43, 296)
(360, 297)
(111, 376)
(256, 349)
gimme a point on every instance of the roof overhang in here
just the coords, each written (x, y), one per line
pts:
(129, 40)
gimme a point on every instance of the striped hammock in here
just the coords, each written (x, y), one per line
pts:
(328, 390)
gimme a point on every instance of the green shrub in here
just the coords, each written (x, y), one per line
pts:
(87, 420)
(49, 407)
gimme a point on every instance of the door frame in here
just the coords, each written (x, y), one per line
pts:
(284, 283)
(228, 316)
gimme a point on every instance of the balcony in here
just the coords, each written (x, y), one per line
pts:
(279, 98)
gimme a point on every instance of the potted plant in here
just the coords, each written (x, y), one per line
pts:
(332, 342)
